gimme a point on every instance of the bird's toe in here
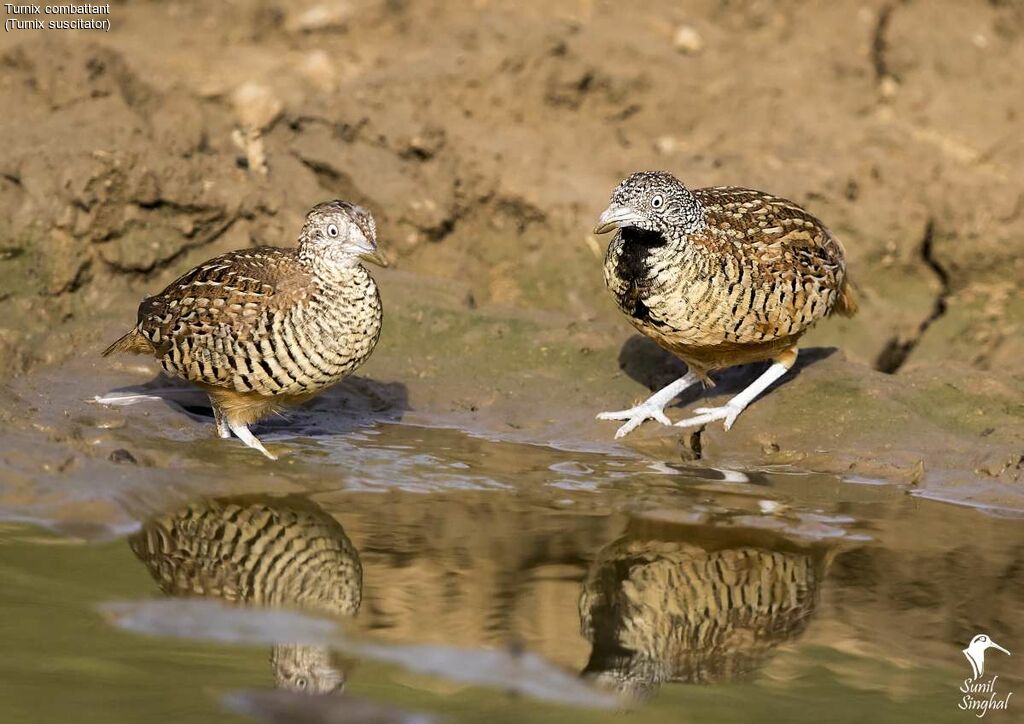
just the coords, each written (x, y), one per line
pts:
(627, 428)
(704, 415)
(662, 418)
(634, 417)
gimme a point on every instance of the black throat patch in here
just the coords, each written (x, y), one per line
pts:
(634, 268)
(637, 246)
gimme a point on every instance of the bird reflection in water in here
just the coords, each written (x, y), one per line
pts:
(694, 604)
(277, 552)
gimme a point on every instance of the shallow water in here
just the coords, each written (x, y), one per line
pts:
(438, 573)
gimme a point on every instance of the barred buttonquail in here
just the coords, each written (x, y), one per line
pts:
(275, 552)
(266, 327)
(661, 609)
(718, 276)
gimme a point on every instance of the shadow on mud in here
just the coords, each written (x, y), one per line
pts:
(353, 403)
(650, 365)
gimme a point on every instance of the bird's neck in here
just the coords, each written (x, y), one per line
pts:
(332, 272)
(636, 248)
(638, 252)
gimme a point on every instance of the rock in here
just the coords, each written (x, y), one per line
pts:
(426, 214)
(888, 87)
(666, 145)
(687, 40)
(256, 106)
(324, 16)
(426, 144)
(317, 68)
(122, 456)
(250, 142)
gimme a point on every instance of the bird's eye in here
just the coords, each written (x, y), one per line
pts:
(300, 681)
(332, 230)
(657, 202)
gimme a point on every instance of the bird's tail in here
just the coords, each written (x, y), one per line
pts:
(133, 342)
(846, 305)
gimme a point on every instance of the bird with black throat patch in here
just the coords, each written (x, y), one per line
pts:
(259, 329)
(718, 276)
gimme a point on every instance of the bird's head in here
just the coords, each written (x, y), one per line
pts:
(340, 233)
(981, 642)
(307, 669)
(654, 201)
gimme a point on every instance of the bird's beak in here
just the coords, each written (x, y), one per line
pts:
(993, 645)
(374, 257)
(614, 217)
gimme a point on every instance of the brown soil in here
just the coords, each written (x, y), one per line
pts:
(486, 140)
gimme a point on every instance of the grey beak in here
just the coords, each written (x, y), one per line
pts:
(993, 645)
(614, 217)
(375, 257)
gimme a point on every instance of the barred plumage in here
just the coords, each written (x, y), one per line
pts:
(719, 276)
(661, 608)
(262, 328)
(264, 552)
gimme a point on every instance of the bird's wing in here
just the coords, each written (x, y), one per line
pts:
(780, 248)
(223, 296)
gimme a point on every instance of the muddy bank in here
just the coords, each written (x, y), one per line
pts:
(485, 140)
(522, 378)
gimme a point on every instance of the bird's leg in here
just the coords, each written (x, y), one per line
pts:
(732, 409)
(243, 434)
(651, 408)
(223, 429)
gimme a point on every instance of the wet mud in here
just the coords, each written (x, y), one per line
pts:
(842, 543)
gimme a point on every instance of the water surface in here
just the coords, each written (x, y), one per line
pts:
(484, 579)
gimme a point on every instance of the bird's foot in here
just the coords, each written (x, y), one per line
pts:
(728, 412)
(636, 416)
(243, 434)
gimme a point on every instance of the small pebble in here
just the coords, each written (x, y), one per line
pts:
(318, 69)
(888, 87)
(688, 40)
(256, 106)
(325, 16)
(769, 506)
(666, 145)
(122, 456)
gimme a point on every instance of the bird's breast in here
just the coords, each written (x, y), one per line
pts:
(305, 347)
(343, 324)
(631, 271)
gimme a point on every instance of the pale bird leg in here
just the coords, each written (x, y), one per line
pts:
(243, 434)
(652, 408)
(223, 429)
(732, 409)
